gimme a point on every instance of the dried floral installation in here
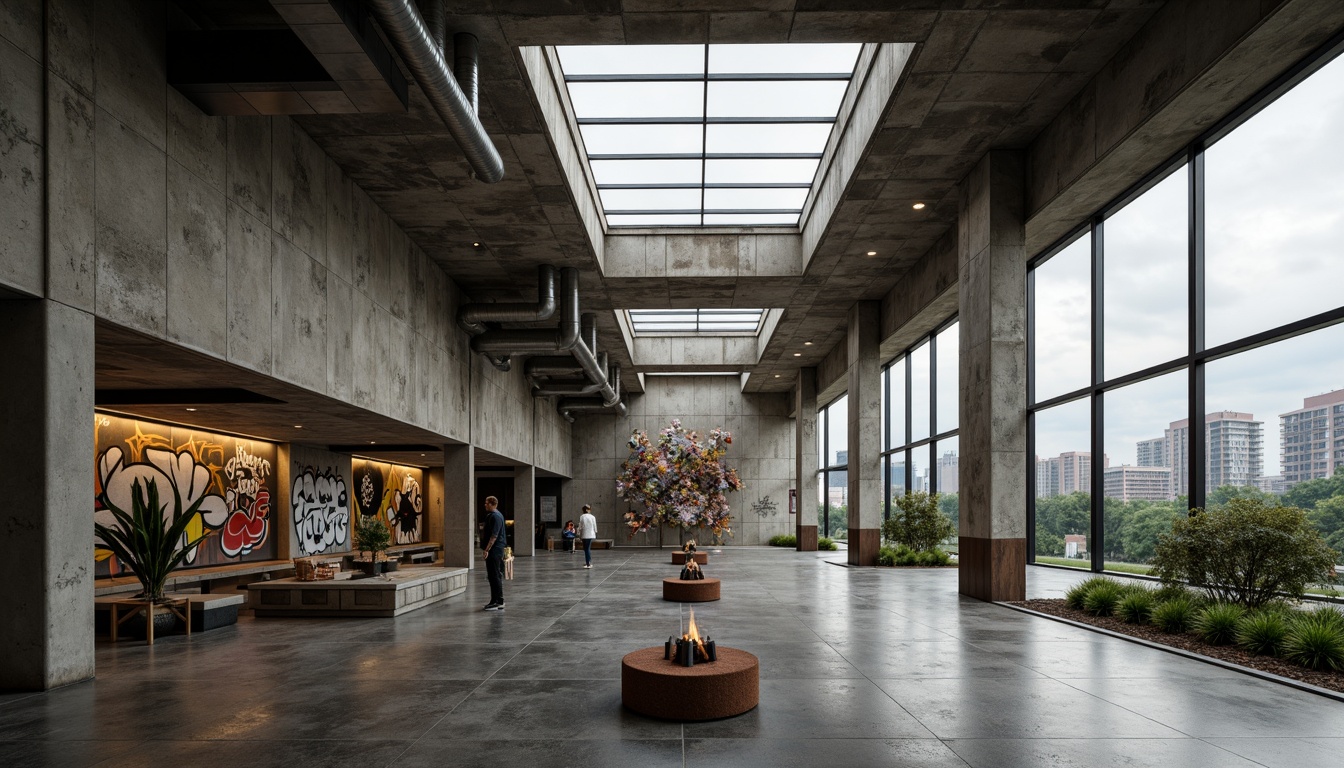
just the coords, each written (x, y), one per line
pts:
(680, 481)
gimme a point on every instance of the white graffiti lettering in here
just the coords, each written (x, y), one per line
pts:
(321, 510)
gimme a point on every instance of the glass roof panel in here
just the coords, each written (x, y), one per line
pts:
(642, 139)
(787, 137)
(782, 98)
(651, 199)
(739, 199)
(657, 124)
(634, 220)
(703, 322)
(759, 171)
(632, 59)
(784, 57)
(750, 219)
(638, 99)
(646, 171)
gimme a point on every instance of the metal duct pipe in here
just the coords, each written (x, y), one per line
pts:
(435, 15)
(588, 331)
(473, 317)
(572, 405)
(466, 55)
(546, 386)
(540, 341)
(407, 31)
(539, 367)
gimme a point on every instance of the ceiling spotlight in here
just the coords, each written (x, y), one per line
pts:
(872, 253)
(475, 245)
(193, 410)
(422, 455)
(797, 354)
(776, 375)
(298, 426)
(373, 442)
(807, 343)
(918, 206)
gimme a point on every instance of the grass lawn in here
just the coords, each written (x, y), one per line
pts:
(1084, 565)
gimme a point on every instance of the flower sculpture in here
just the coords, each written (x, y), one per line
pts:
(681, 481)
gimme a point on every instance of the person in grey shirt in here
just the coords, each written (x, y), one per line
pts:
(587, 532)
(493, 542)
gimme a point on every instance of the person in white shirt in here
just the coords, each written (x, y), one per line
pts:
(587, 532)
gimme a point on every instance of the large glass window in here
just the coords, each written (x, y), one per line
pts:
(920, 419)
(833, 477)
(1252, 403)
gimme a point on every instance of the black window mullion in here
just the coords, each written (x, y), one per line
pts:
(1198, 446)
(1096, 470)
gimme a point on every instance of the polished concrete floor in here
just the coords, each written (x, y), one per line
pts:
(859, 667)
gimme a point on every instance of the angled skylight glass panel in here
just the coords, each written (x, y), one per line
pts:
(696, 135)
(704, 322)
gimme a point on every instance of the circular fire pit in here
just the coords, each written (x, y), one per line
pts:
(679, 558)
(691, 591)
(653, 686)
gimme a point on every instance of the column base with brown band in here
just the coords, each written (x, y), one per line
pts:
(654, 686)
(807, 538)
(863, 546)
(679, 558)
(992, 569)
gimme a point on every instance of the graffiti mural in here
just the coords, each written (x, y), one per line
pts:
(229, 476)
(321, 510)
(392, 492)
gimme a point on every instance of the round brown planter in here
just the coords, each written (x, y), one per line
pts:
(696, 591)
(653, 686)
(679, 558)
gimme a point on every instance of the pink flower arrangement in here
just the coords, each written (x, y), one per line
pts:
(681, 481)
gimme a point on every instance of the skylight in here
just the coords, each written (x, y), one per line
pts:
(695, 322)
(705, 135)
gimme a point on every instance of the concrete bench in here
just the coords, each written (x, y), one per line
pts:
(222, 578)
(554, 544)
(207, 611)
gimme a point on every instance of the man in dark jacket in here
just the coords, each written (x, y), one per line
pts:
(493, 542)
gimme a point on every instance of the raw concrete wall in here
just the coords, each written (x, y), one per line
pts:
(235, 237)
(762, 452)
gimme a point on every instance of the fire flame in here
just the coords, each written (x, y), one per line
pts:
(694, 635)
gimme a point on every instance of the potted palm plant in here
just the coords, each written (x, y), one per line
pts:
(150, 541)
(373, 537)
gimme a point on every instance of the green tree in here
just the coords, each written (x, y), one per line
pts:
(917, 521)
(1328, 518)
(1221, 495)
(1145, 526)
(950, 506)
(1307, 494)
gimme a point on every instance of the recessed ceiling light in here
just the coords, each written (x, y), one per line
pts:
(776, 375)
(373, 442)
(192, 410)
(422, 454)
(872, 253)
(475, 245)
(298, 426)
(797, 354)
(807, 343)
(918, 206)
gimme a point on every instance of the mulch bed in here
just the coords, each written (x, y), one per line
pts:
(1187, 642)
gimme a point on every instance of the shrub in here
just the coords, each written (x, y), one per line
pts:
(932, 557)
(826, 545)
(1136, 607)
(1316, 641)
(783, 540)
(1174, 616)
(917, 522)
(1330, 615)
(1217, 624)
(1244, 552)
(1102, 598)
(1078, 593)
(1263, 632)
(886, 556)
(1172, 591)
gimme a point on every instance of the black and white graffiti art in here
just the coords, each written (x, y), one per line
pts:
(321, 510)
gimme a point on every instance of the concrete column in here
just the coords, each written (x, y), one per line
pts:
(524, 510)
(992, 267)
(459, 506)
(46, 405)
(434, 507)
(805, 458)
(865, 433)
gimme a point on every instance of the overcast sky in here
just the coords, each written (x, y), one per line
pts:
(1274, 254)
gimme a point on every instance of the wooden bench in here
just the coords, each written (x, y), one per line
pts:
(218, 577)
(419, 553)
(207, 611)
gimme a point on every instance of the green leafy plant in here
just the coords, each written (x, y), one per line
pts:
(826, 545)
(886, 556)
(1217, 624)
(1174, 616)
(1172, 591)
(148, 541)
(1078, 593)
(1102, 598)
(1263, 632)
(917, 522)
(372, 536)
(1245, 552)
(783, 540)
(932, 557)
(1136, 607)
(1315, 641)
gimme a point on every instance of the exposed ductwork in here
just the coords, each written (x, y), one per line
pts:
(583, 372)
(570, 406)
(415, 42)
